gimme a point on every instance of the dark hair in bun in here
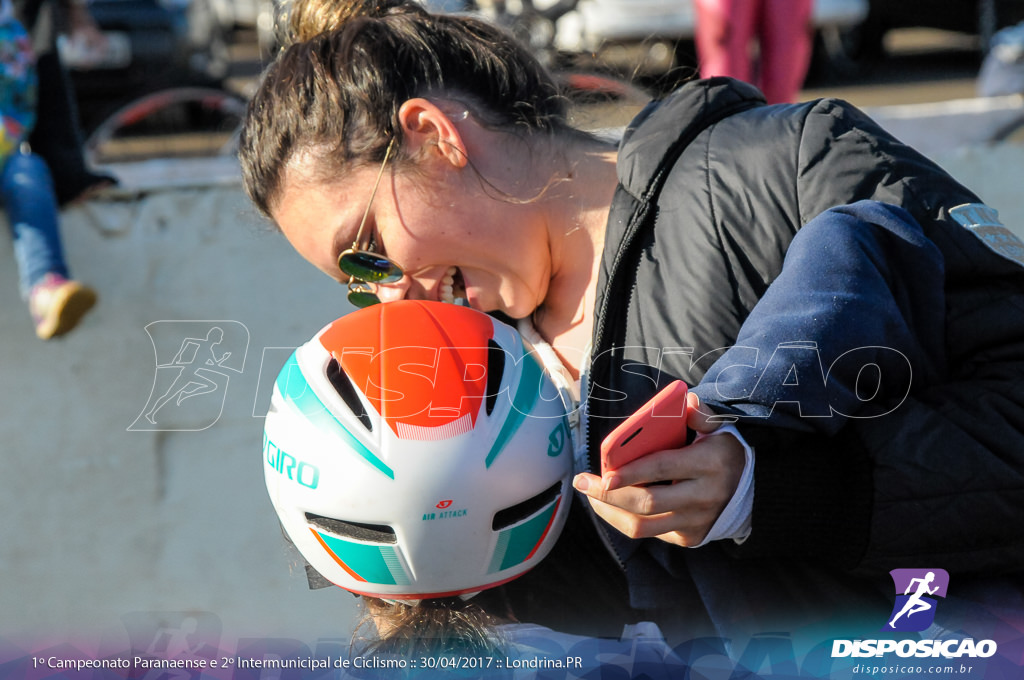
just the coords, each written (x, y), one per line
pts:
(336, 90)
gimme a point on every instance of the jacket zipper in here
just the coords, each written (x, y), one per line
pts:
(638, 218)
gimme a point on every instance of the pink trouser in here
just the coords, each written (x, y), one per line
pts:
(726, 30)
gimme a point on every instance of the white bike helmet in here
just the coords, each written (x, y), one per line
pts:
(416, 450)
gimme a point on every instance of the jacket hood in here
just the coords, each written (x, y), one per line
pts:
(696, 105)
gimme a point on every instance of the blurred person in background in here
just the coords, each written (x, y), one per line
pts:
(27, 193)
(1002, 71)
(57, 136)
(726, 34)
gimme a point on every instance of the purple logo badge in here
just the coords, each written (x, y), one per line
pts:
(916, 590)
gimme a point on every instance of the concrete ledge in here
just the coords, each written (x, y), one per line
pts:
(937, 129)
(163, 174)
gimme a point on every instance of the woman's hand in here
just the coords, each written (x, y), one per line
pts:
(702, 478)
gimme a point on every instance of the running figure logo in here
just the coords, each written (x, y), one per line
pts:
(194, 362)
(916, 590)
(173, 636)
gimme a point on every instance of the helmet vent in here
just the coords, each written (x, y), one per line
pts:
(531, 506)
(495, 371)
(370, 533)
(347, 391)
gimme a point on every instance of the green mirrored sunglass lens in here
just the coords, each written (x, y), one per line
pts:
(367, 266)
(362, 299)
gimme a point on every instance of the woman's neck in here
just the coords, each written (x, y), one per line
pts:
(565, 319)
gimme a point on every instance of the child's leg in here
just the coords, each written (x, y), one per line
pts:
(786, 42)
(56, 304)
(31, 206)
(725, 29)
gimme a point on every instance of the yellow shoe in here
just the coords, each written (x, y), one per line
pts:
(57, 305)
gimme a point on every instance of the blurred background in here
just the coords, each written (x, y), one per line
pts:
(116, 534)
(872, 52)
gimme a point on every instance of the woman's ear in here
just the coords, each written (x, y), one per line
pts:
(427, 128)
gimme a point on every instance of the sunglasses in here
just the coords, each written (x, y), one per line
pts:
(365, 266)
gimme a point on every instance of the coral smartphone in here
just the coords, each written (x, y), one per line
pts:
(660, 424)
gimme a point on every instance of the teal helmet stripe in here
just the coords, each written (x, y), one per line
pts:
(294, 388)
(377, 564)
(527, 392)
(516, 544)
(394, 565)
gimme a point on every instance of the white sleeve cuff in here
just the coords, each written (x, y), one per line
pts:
(734, 522)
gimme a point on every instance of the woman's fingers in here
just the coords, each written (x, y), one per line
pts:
(674, 495)
(667, 526)
(703, 458)
(700, 417)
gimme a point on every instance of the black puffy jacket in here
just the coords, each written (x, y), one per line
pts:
(714, 185)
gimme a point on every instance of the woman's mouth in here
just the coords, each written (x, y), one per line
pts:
(453, 287)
